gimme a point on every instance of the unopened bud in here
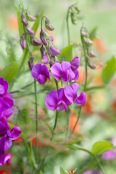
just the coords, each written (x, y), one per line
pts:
(73, 19)
(88, 41)
(48, 25)
(30, 17)
(35, 42)
(23, 42)
(53, 51)
(43, 51)
(30, 31)
(30, 62)
(23, 18)
(43, 37)
(91, 53)
(45, 58)
(90, 63)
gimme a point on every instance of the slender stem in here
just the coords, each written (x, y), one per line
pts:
(68, 121)
(19, 90)
(94, 87)
(79, 114)
(35, 89)
(56, 84)
(67, 22)
(99, 164)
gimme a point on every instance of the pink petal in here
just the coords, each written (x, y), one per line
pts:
(51, 100)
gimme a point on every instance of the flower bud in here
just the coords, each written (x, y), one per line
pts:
(90, 63)
(91, 53)
(45, 58)
(53, 51)
(30, 62)
(48, 25)
(88, 41)
(23, 42)
(42, 37)
(30, 17)
(35, 42)
(43, 51)
(30, 31)
(23, 18)
(73, 19)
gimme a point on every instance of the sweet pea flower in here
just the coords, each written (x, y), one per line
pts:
(71, 94)
(109, 155)
(66, 71)
(6, 140)
(5, 159)
(92, 172)
(3, 87)
(57, 100)
(3, 126)
(41, 73)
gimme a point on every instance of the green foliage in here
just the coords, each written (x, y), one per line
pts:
(20, 24)
(66, 53)
(109, 70)
(9, 72)
(62, 171)
(37, 22)
(101, 146)
(23, 116)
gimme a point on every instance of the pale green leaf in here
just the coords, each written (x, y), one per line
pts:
(66, 53)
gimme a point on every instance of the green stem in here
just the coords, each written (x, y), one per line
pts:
(35, 89)
(94, 87)
(68, 121)
(67, 22)
(99, 164)
(56, 84)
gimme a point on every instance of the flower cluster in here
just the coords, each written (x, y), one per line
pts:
(7, 135)
(88, 42)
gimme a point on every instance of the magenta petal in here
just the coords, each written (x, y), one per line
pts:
(7, 113)
(36, 70)
(9, 99)
(69, 93)
(81, 100)
(41, 79)
(61, 106)
(46, 72)
(3, 126)
(2, 90)
(109, 155)
(65, 66)
(76, 72)
(51, 100)
(5, 144)
(75, 63)
(45, 58)
(56, 71)
(15, 133)
(75, 87)
(71, 75)
(5, 159)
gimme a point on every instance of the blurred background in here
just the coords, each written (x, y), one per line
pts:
(98, 120)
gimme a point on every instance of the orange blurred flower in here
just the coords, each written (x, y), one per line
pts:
(100, 45)
(73, 119)
(87, 108)
(34, 143)
(13, 22)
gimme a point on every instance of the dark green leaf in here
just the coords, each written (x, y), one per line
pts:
(109, 70)
(66, 53)
(101, 146)
(37, 22)
(9, 72)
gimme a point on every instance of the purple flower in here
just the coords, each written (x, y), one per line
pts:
(71, 94)
(36, 42)
(41, 73)
(44, 55)
(75, 63)
(6, 140)
(53, 51)
(57, 100)
(24, 21)
(92, 172)
(30, 31)
(3, 126)
(109, 155)
(5, 159)
(3, 87)
(64, 71)
(4, 107)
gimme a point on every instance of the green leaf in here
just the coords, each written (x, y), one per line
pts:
(62, 171)
(37, 22)
(20, 24)
(109, 70)
(9, 72)
(66, 53)
(101, 146)
(41, 172)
